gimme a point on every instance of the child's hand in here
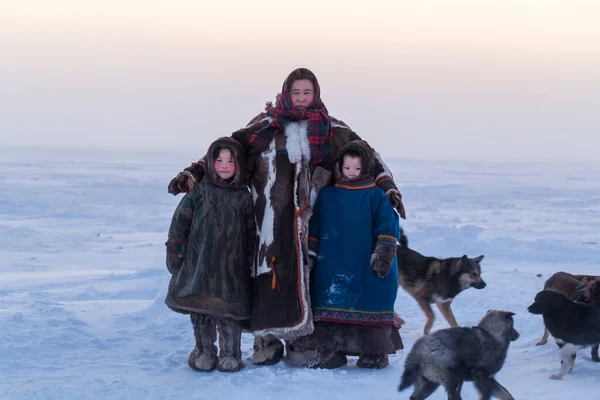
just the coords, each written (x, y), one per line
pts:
(382, 259)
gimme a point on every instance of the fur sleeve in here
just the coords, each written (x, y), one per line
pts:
(182, 219)
(386, 222)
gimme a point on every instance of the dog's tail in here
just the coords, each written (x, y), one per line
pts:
(403, 239)
(411, 370)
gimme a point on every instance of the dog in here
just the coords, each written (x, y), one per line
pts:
(451, 356)
(433, 280)
(582, 288)
(574, 325)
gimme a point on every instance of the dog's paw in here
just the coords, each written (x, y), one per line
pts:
(556, 377)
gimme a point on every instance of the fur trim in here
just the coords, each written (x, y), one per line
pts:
(366, 155)
(267, 235)
(236, 149)
(297, 141)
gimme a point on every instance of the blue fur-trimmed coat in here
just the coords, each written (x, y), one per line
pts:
(349, 220)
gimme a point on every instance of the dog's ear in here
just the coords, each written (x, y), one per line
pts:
(478, 259)
(489, 311)
(457, 265)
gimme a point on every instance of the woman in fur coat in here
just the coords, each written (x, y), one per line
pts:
(289, 148)
(353, 235)
(210, 251)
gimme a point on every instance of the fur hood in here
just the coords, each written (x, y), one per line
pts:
(365, 153)
(239, 179)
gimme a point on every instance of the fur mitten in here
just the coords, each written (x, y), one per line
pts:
(382, 258)
(184, 181)
(174, 256)
(395, 199)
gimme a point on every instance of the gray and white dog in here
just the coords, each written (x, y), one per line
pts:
(451, 356)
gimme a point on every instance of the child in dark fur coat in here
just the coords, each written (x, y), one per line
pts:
(352, 238)
(210, 253)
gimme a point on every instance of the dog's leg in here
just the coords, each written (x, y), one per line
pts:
(454, 384)
(426, 307)
(500, 392)
(595, 353)
(423, 388)
(544, 338)
(447, 313)
(488, 386)
(567, 358)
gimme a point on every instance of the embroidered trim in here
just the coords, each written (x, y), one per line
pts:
(387, 240)
(356, 316)
(357, 184)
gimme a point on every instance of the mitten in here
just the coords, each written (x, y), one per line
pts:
(395, 199)
(174, 256)
(382, 259)
(183, 182)
(186, 179)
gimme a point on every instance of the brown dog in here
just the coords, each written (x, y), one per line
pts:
(436, 280)
(583, 288)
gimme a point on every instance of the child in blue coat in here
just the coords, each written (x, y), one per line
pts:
(352, 238)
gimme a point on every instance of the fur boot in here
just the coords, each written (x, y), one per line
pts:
(377, 361)
(268, 350)
(332, 360)
(204, 355)
(298, 356)
(230, 352)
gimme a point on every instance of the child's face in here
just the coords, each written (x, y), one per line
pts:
(302, 93)
(351, 167)
(225, 164)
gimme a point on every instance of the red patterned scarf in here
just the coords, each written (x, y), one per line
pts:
(319, 125)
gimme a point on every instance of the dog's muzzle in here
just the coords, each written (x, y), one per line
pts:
(479, 285)
(534, 309)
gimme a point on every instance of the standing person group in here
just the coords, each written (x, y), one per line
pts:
(239, 251)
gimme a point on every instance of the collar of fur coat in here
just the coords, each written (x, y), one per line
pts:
(297, 141)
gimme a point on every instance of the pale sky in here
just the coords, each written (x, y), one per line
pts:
(429, 79)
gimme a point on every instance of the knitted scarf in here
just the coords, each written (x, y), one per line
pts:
(319, 125)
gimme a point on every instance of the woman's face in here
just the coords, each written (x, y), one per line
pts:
(302, 93)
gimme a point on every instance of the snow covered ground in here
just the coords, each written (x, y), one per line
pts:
(82, 277)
